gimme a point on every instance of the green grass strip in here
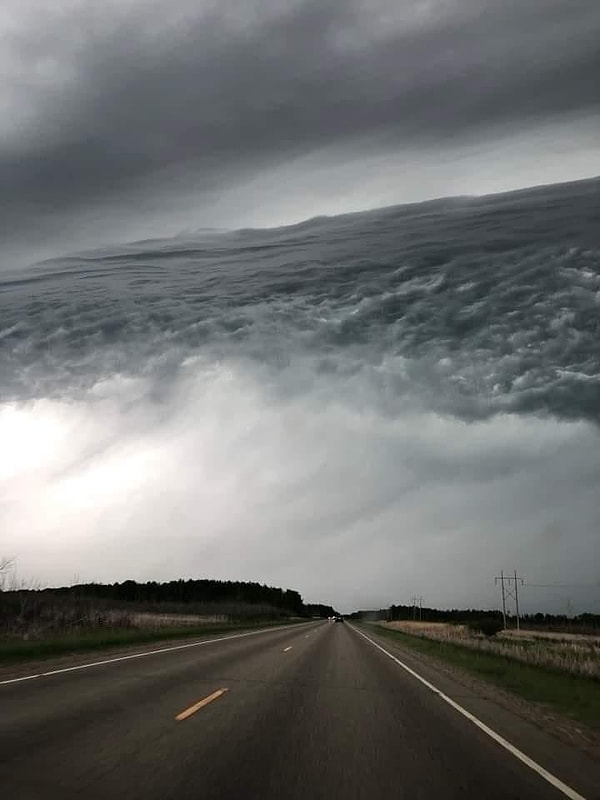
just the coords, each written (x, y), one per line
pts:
(572, 695)
(12, 651)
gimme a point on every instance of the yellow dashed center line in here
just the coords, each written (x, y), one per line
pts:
(200, 704)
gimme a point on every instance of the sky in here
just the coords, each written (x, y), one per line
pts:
(317, 489)
(130, 119)
(125, 120)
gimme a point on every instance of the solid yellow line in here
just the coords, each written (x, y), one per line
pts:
(200, 704)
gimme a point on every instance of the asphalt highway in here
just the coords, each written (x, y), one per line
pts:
(304, 712)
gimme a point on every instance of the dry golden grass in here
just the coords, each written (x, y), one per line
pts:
(569, 653)
(437, 629)
(554, 636)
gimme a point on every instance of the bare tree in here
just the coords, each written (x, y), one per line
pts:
(7, 565)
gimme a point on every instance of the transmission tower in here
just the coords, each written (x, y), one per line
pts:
(417, 605)
(509, 586)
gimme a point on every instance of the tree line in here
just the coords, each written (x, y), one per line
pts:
(197, 591)
(188, 591)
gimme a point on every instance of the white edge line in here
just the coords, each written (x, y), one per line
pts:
(138, 655)
(548, 776)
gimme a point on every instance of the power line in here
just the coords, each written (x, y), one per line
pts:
(563, 585)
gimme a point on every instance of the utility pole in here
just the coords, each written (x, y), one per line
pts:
(517, 598)
(510, 588)
(501, 579)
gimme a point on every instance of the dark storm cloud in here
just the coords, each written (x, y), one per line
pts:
(105, 104)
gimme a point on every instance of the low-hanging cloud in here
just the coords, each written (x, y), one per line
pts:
(105, 105)
(308, 489)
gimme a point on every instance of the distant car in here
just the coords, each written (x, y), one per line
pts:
(338, 619)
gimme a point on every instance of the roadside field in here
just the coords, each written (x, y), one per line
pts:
(552, 683)
(572, 654)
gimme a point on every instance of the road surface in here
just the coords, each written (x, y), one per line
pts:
(304, 712)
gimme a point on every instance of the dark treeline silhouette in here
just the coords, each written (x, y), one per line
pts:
(39, 613)
(438, 614)
(183, 592)
(318, 610)
(429, 614)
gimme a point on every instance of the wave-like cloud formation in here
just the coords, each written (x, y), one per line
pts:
(361, 407)
(471, 306)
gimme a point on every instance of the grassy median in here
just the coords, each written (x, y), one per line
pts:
(572, 695)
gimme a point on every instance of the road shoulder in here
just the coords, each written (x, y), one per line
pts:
(561, 745)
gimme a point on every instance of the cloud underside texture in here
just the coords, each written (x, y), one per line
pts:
(224, 478)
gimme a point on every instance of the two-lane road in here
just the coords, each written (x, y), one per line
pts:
(304, 712)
